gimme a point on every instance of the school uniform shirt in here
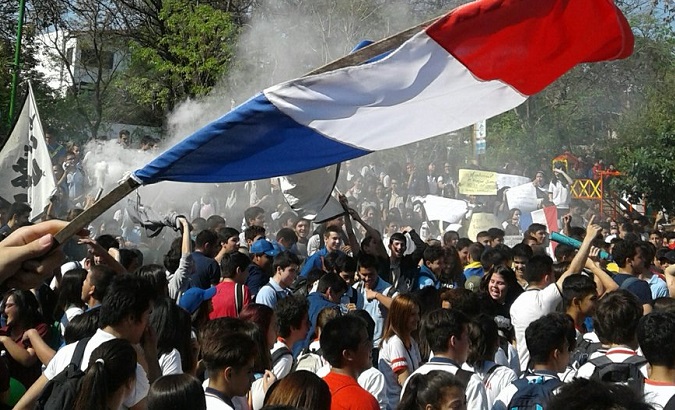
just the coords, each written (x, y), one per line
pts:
(63, 357)
(394, 357)
(499, 378)
(528, 307)
(476, 398)
(615, 354)
(284, 365)
(217, 401)
(375, 309)
(658, 393)
(171, 363)
(270, 294)
(506, 395)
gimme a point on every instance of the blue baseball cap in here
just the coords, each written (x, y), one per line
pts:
(262, 245)
(193, 298)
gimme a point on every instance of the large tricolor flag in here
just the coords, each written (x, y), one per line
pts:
(480, 60)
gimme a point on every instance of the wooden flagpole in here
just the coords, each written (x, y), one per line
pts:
(129, 185)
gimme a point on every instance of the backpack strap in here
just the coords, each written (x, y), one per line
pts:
(491, 370)
(601, 361)
(629, 281)
(635, 359)
(238, 297)
(670, 405)
(78, 354)
(279, 353)
(464, 376)
(354, 297)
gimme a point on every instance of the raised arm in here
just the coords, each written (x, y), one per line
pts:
(579, 260)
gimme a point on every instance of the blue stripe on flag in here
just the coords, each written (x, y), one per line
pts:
(253, 141)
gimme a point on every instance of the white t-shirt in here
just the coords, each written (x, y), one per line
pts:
(658, 393)
(170, 363)
(476, 397)
(528, 307)
(496, 381)
(394, 356)
(560, 195)
(284, 365)
(68, 315)
(63, 357)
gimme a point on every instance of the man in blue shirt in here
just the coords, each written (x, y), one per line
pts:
(332, 238)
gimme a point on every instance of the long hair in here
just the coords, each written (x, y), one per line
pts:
(111, 366)
(430, 388)
(302, 389)
(176, 392)
(513, 289)
(401, 309)
(172, 326)
(484, 337)
(70, 291)
(261, 316)
(27, 306)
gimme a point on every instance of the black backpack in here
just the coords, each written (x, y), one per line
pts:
(582, 352)
(533, 394)
(61, 392)
(627, 372)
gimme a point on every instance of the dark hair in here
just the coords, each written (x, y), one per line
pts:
(433, 253)
(18, 208)
(101, 276)
(111, 366)
(522, 250)
(302, 389)
(176, 392)
(252, 231)
(463, 300)
(173, 255)
(81, 326)
(483, 234)
(463, 243)
(155, 275)
(476, 250)
(332, 228)
(329, 261)
(616, 317)
(440, 325)
(332, 281)
(224, 234)
(495, 233)
(536, 227)
(232, 261)
(548, 333)
(107, 241)
(577, 286)
(563, 252)
(655, 333)
(27, 307)
(287, 234)
(127, 258)
(223, 348)
(513, 289)
(252, 213)
(70, 291)
(624, 250)
(449, 236)
(341, 333)
(367, 261)
(664, 304)
(291, 311)
(284, 260)
(537, 268)
(204, 237)
(128, 295)
(585, 394)
(370, 322)
(484, 337)
(429, 389)
(345, 263)
(213, 221)
(172, 325)
(491, 257)
(261, 316)
(397, 236)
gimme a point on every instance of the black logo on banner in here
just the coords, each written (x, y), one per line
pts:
(24, 179)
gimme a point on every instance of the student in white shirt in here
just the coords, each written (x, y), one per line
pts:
(484, 338)
(543, 292)
(446, 332)
(656, 333)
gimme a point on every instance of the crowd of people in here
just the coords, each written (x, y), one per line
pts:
(377, 308)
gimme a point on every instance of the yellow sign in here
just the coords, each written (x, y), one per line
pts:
(474, 182)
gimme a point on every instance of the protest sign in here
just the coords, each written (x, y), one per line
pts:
(523, 197)
(439, 208)
(475, 182)
(481, 222)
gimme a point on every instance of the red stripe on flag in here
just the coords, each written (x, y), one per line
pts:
(528, 44)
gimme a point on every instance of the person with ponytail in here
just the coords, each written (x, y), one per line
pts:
(109, 378)
(435, 390)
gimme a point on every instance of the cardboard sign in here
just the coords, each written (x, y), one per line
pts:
(481, 222)
(475, 182)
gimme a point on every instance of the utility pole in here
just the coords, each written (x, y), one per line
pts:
(17, 62)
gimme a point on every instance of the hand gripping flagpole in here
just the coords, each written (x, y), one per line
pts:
(130, 184)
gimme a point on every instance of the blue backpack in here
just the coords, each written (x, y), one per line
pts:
(533, 394)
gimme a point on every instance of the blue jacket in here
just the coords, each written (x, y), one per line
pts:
(317, 302)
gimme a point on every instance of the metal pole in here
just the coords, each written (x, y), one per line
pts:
(17, 62)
